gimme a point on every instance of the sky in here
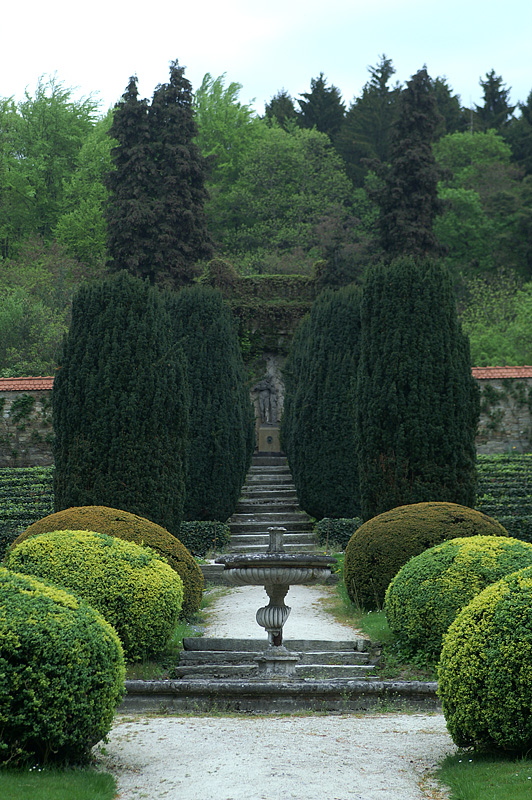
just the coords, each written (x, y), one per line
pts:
(95, 47)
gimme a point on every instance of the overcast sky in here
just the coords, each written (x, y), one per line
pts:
(265, 46)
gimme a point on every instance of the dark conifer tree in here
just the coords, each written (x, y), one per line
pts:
(155, 216)
(322, 108)
(180, 230)
(365, 134)
(222, 429)
(496, 110)
(317, 426)
(120, 405)
(281, 109)
(129, 212)
(408, 198)
(416, 403)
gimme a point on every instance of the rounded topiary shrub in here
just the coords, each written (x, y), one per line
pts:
(131, 528)
(61, 673)
(429, 590)
(379, 548)
(485, 669)
(132, 587)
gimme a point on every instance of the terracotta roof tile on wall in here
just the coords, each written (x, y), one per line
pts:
(26, 384)
(484, 373)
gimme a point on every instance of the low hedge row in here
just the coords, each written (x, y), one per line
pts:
(203, 537)
(336, 531)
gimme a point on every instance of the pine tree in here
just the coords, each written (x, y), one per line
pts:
(365, 134)
(120, 405)
(155, 216)
(408, 199)
(129, 211)
(179, 195)
(416, 403)
(222, 431)
(317, 427)
(496, 110)
(322, 108)
(281, 109)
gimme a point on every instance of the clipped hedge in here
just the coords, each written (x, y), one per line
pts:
(130, 528)
(429, 590)
(131, 586)
(379, 548)
(336, 531)
(61, 673)
(485, 669)
(202, 537)
(26, 495)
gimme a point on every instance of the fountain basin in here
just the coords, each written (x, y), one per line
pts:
(276, 569)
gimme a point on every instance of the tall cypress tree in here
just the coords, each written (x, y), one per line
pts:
(317, 427)
(416, 403)
(129, 211)
(222, 429)
(408, 198)
(120, 405)
(155, 217)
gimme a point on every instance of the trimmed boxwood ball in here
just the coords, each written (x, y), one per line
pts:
(131, 528)
(61, 673)
(429, 591)
(379, 548)
(485, 669)
(133, 588)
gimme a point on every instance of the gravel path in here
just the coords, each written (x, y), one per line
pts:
(314, 757)
(377, 757)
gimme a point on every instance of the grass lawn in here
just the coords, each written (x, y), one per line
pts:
(56, 784)
(478, 776)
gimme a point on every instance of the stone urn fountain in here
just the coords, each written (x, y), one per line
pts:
(276, 570)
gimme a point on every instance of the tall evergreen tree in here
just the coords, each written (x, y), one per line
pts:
(156, 222)
(317, 426)
(120, 405)
(322, 108)
(408, 197)
(281, 109)
(222, 430)
(366, 131)
(129, 211)
(496, 110)
(416, 403)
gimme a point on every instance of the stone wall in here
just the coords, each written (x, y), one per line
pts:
(26, 433)
(506, 418)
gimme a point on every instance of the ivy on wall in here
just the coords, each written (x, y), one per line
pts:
(26, 423)
(503, 406)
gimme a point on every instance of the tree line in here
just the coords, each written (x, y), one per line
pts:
(303, 183)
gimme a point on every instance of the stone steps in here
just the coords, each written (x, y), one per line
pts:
(269, 499)
(218, 659)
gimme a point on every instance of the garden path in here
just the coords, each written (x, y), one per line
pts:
(303, 757)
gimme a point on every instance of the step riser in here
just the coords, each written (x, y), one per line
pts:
(262, 527)
(270, 507)
(269, 518)
(213, 671)
(215, 643)
(336, 659)
(296, 538)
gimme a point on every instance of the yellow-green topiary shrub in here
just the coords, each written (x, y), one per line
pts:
(485, 669)
(379, 548)
(61, 673)
(131, 586)
(429, 590)
(131, 528)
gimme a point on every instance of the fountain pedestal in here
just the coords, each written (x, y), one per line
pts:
(276, 571)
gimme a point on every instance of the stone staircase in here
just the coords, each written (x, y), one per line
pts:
(269, 499)
(218, 659)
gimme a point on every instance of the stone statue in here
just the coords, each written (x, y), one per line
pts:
(268, 406)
